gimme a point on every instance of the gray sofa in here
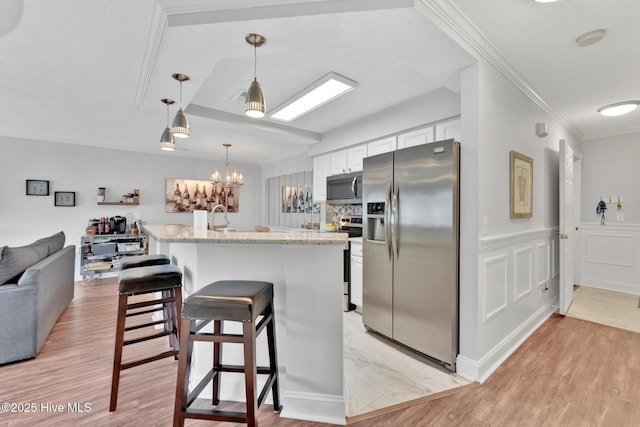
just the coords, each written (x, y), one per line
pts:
(36, 286)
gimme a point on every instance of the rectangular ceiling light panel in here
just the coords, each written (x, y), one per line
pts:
(319, 93)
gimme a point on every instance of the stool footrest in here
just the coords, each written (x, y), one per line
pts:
(147, 338)
(137, 313)
(239, 369)
(148, 359)
(209, 414)
(209, 337)
(144, 325)
(150, 302)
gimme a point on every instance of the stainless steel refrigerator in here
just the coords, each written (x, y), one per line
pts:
(411, 245)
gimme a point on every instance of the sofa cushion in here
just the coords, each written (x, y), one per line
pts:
(54, 242)
(14, 261)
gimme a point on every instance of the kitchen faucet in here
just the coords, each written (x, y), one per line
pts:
(226, 216)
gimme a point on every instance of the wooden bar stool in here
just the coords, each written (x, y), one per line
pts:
(164, 279)
(234, 300)
(146, 261)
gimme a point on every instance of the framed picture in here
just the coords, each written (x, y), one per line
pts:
(65, 198)
(188, 195)
(521, 185)
(37, 187)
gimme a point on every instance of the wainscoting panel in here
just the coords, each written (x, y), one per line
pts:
(494, 286)
(543, 257)
(511, 307)
(609, 259)
(523, 274)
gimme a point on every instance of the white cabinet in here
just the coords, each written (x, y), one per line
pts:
(416, 137)
(449, 130)
(355, 156)
(320, 173)
(338, 162)
(356, 274)
(385, 145)
(346, 161)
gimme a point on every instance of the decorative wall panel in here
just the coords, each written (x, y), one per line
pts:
(495, 286)
(523, 277)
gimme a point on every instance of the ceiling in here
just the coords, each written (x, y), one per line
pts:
(92, 72)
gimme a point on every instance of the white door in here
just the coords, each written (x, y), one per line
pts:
(567, 227)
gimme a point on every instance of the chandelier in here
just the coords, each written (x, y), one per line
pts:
(235, 179)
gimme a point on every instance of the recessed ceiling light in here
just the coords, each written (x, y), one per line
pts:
(587, 39)
(545, 1)
(619, 108)
(319, 93)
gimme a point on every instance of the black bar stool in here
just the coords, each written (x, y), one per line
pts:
(235, 300)
(165, 279)
(146, 261)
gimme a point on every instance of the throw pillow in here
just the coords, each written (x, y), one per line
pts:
(54, 243)
(16, 260)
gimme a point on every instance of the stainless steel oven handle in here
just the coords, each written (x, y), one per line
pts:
(387, 222)
(395, 230)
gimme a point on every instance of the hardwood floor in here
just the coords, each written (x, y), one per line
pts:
(569, 372)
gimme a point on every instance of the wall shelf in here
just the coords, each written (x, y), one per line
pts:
(118, 203)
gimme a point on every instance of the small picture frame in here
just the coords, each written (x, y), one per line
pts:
(65, 198)
(37, 187)
(521, 185)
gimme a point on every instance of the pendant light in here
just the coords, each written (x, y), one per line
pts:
(254, 101)
(166, 140)
(180, 127)
(235, 179)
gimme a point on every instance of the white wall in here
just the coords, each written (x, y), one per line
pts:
(24, 219)
(502, 300)
(610, 169)
(609, 257)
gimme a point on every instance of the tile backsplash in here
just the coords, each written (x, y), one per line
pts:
(335, 211)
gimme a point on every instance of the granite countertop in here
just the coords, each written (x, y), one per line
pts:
(175, 233)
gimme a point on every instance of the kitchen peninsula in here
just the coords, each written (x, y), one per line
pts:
(306, 270)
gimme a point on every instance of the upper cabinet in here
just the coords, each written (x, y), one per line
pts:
(320, 173)
(346, 161)
(416, 137)
(449, 130)
(385, 145)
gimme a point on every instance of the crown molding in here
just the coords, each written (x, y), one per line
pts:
(157, 31)
(450, 19)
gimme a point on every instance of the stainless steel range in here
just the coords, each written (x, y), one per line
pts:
(351, 224)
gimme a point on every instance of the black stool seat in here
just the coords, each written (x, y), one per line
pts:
(149, 279)
(227, 300)
(144, 261)
(237, 300)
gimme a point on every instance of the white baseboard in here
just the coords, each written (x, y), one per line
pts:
(481, 370)
(314, 407)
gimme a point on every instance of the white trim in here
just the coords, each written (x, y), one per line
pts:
(481, 370)
(321, 408)
(157, 31)
(452, 19)
(506, 240)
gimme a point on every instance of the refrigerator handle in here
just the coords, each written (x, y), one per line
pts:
(387, 222)
(395, 222)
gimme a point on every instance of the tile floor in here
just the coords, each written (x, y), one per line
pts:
(379, 374)
(611, 308)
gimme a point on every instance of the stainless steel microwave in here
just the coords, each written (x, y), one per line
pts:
(345, 188)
